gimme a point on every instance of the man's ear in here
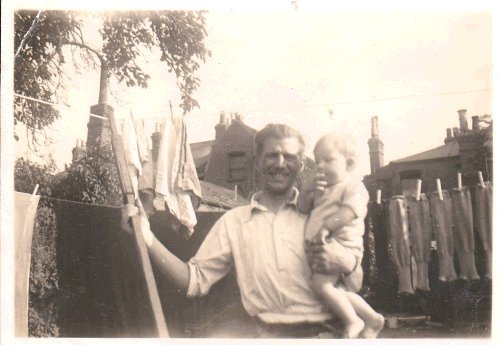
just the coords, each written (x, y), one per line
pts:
(302, 164)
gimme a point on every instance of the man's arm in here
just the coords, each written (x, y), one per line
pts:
(173, 268)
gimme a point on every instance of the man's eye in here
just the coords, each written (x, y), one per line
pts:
(290, 157)
(272, 155)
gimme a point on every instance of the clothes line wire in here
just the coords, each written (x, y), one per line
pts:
(295, 107)
(56, 105)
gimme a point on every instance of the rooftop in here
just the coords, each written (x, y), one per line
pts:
(445, 151)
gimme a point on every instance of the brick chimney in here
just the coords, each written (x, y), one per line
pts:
(462, 118)
(99, 130)
(476, 123)
(78, 151)
(449, 136)
(221, 127)
(376, 147)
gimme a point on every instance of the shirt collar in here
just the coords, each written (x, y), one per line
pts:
(255, 205)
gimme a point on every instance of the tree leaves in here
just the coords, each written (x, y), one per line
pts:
(39, 67)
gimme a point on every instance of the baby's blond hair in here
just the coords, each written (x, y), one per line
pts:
(342, 142)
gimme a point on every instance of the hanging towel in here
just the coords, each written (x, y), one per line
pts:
(484, 216)
(24, 216)
(463, 232)
(176, 178)
(420, 235)
(131, 149)
(443, 229)
(146, 179)
(400, 241)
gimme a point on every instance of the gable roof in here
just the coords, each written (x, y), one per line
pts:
(445, 151)
(201, 152)
(215, 195)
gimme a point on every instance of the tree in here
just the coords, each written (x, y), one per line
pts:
(47, 40)
(92, 179)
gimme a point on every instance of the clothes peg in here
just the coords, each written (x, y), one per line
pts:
(419, 189)
(481, 181)
(440, 191)
(459, 181)
(34, 192)
(379, 196)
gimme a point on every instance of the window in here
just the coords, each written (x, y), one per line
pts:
(409, 180)
(237, 167)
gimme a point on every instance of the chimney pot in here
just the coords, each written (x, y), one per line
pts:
(374, 126)
(475, 123)
(462, 118)
(448, 133)
(223, 117)
(455, 131)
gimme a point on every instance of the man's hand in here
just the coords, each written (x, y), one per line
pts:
(330, 257)
(129, 211)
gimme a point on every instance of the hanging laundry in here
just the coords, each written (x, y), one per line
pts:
(146, 183)
(400, 241)
(463, 232)
(484, 217)
(443, 230)
(25, 206)
(176, 178)
(131, 149)
(420, 234)
(379, 214)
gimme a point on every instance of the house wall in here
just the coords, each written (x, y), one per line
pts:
(237, 139)
(445, 169)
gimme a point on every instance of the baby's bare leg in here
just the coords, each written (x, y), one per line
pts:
(374, 322)
(338, 303)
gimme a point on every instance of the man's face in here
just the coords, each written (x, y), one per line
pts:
(280, 162)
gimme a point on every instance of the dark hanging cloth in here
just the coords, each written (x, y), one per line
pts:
(443, 230)
(400, 242)
(483, 215)
(463, 232)
(420, 238)
(99, 274)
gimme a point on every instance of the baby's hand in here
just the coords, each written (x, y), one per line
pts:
(319, 181)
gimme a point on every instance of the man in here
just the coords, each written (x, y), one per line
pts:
(264, 241)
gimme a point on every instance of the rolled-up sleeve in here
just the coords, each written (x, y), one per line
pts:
(212, 261)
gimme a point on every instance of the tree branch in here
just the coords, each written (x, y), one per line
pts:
(99, 54)
(28, 34)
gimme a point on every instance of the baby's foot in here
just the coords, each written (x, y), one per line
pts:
(353, 329)
(373, 327)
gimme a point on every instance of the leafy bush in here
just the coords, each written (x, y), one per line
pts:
(92, 179)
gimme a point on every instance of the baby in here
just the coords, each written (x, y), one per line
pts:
(337, 203)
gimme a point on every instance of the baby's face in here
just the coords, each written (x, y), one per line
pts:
(331, 162)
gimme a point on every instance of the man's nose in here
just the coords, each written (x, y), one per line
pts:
(280, 160)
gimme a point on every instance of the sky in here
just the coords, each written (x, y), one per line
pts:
(412, 69)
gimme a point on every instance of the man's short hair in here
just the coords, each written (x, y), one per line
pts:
(277, 131)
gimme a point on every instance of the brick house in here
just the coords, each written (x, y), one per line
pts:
(465, 150)
(227, 160)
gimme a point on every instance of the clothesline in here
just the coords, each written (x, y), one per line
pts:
(74, 110)
(395, 98)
